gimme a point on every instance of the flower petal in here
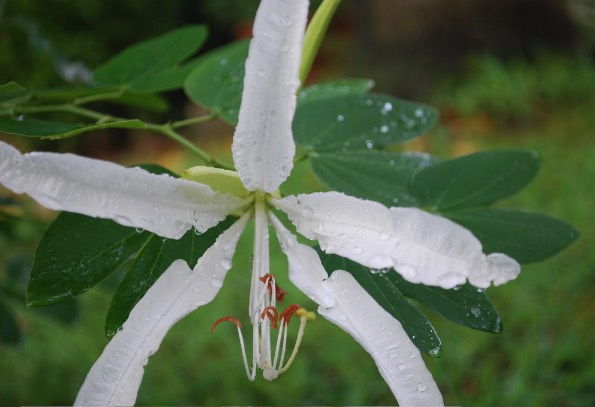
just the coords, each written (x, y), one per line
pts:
(115, 377)
(131, 196)
(422, 247)
(305, 269)
(263, 146)
(383, 337)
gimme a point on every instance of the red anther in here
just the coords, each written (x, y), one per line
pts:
(272, 314)
(268, 279)
(288, 313)
(230, 319)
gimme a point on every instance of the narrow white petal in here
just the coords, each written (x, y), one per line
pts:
(115, 377)
(305, 269)
(422, 247)
(381, 335)
(131, 196)
(263, 146)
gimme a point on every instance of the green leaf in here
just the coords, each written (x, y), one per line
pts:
(381, 176)
(465, 305)
(55, 130)
(141, 65)
(10, 333)
(335, 88)
(112, 94)
(359, 122)
(76, 253)
(217, 82)
(13, 93)
(525, 236)
(475, 180)
(387, 294)
(155, 256)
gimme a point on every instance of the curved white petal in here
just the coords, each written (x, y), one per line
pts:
(381, 335)
(131, 196)
(115, 377)
(305, 269)
(263, 146)
(422, 247)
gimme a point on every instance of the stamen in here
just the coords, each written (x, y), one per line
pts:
(251, 374)
(269, 280)
(229, 319)
(272, 314)
(305, 316)
(288, 313)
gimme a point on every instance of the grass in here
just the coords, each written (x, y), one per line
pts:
(543, 357)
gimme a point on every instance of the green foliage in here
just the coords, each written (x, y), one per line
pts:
(218, 80)
(516, 88)
(153, 65)
(475, 180)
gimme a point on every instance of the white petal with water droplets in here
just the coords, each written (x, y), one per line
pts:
(305, 269)
(381, 335)
(115, 377)
(131, 196)
(263, 146)
(422, 247)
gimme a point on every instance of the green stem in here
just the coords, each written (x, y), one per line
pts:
(167, 129)
(194, 120)
(315, 33)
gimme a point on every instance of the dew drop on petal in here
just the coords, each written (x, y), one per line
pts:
(421, 387)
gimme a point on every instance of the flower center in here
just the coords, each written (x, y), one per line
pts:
(264, 316)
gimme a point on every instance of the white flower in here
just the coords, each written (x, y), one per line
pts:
(422, 247)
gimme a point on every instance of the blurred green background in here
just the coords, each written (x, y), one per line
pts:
(515, 74)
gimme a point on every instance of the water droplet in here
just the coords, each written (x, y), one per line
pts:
(384, 129)
(369, 144)
(386, 108)
(340, 118)
(421, 387)
(357, 250)
(402, 366)
(407, 270)
(391, 163)
(225, 264)
(216, 283)
(412, 355)
(435, 352)
(223, 62)
(475, 311)
(343, 236)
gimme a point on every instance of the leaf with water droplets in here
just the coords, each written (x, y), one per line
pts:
(217, 81)
(76, 253)
(475, 180)
(151, 260)
(382, 288)
(360, 122)
(381, 176)
(464, 305)
(526, 236)
(335, 88)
